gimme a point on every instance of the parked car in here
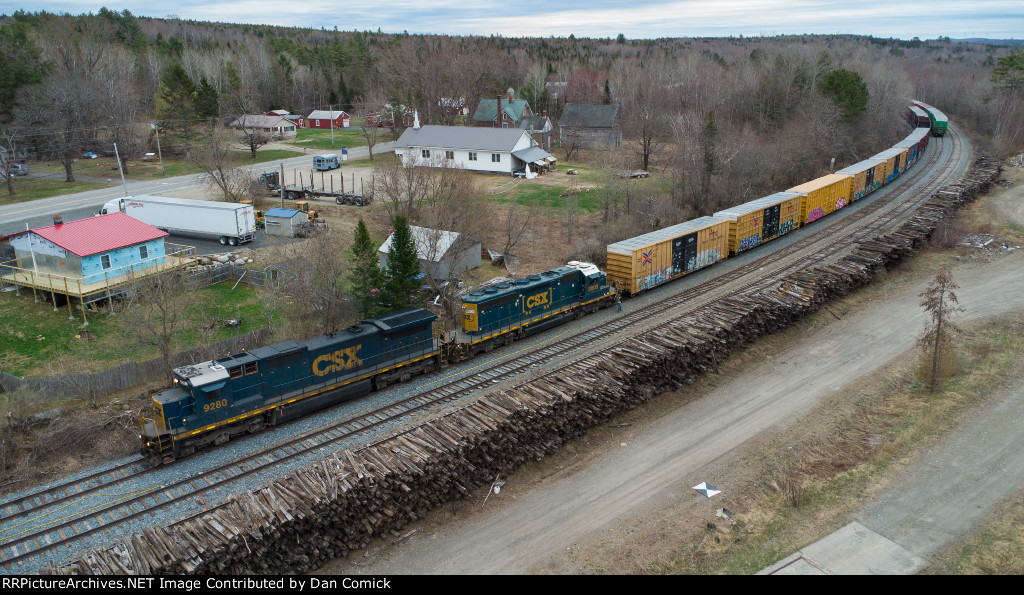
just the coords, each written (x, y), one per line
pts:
(88, 155)
(19, 169)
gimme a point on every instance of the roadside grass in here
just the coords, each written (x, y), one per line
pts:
(37, 341)
(810, 484)
(27, 189)
(314, 138)
(994, 549)
(53, 184)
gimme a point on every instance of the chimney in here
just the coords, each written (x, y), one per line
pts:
(544, 113)
(57, 220)
(416, 120)
(499, 112)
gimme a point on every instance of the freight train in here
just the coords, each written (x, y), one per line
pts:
(215, 401)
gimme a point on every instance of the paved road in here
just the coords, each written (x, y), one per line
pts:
(71, 207)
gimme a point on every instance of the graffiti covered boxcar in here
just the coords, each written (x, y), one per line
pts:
(660, 256)
(762, 220)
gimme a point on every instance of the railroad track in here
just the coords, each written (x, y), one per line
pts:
(32, 538)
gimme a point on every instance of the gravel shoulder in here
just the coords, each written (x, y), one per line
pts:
(620, 498)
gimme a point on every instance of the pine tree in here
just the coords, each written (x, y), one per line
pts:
(206, 100)
(365, 275)
(939, 301)
(403, 267)
(176, 101)
(848, 90)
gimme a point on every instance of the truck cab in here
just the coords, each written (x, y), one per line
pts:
(113, 206)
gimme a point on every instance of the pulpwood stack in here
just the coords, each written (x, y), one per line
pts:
(338, 505)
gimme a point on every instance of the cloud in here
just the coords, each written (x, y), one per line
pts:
(605, 18)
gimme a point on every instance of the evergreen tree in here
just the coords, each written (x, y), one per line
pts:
(1009, 74)
(848, 90)
(403, 268)
(206, 100)
(176, 102)
(365, 275)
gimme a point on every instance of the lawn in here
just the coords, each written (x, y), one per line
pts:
(321, 139)
(32, 188)
(590, 183)
(35, 340)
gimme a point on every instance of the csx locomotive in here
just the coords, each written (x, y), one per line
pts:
(215, 401)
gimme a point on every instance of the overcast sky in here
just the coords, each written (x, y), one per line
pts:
(905, 19)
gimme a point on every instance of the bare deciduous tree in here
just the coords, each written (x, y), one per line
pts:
(372, 101)
(158, 311)
(314, 277)
(214, 154)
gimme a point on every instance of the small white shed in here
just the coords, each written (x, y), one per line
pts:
(442, 254)
(284, 222)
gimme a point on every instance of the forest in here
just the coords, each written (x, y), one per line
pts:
(721, 120)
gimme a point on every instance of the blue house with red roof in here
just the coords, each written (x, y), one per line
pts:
(95, 250)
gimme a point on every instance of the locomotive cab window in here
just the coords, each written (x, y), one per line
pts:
(213, 395)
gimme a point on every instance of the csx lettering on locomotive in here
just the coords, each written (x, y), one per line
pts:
(535, 301)
(343, 359)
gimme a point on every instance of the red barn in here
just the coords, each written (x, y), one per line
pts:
(322, 118)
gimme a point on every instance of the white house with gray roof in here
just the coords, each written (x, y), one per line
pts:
(493, 150)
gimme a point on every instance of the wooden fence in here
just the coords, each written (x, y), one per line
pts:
(129, 374)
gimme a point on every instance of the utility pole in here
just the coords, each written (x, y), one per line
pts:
(330, 109)
(282, 185)
(120, 169)
(159, 154)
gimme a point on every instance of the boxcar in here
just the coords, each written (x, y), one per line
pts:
(758, 221)
(531, 304)
(865, 177)
(895, 162)
(938, 120)
(654, 258)
(216, 400)
(918, 118)
(823, 196)
(913, 145)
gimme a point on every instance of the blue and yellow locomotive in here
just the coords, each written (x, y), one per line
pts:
(212, 402)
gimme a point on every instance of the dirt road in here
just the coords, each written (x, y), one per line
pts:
(597, 504)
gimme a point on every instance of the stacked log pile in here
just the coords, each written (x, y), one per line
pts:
(340, 504)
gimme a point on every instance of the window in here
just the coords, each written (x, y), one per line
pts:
(105, 261)
(472, 156)
(143, 252)
(425, 153)
(495, 157)
(316, 122)
(449, 154)
(504, 124)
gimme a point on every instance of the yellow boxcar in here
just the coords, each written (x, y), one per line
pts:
(654, 258)
(758, 221)
(823, 196)
(895, 162)
(865, 177)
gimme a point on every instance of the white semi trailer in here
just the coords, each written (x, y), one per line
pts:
(229, 222)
